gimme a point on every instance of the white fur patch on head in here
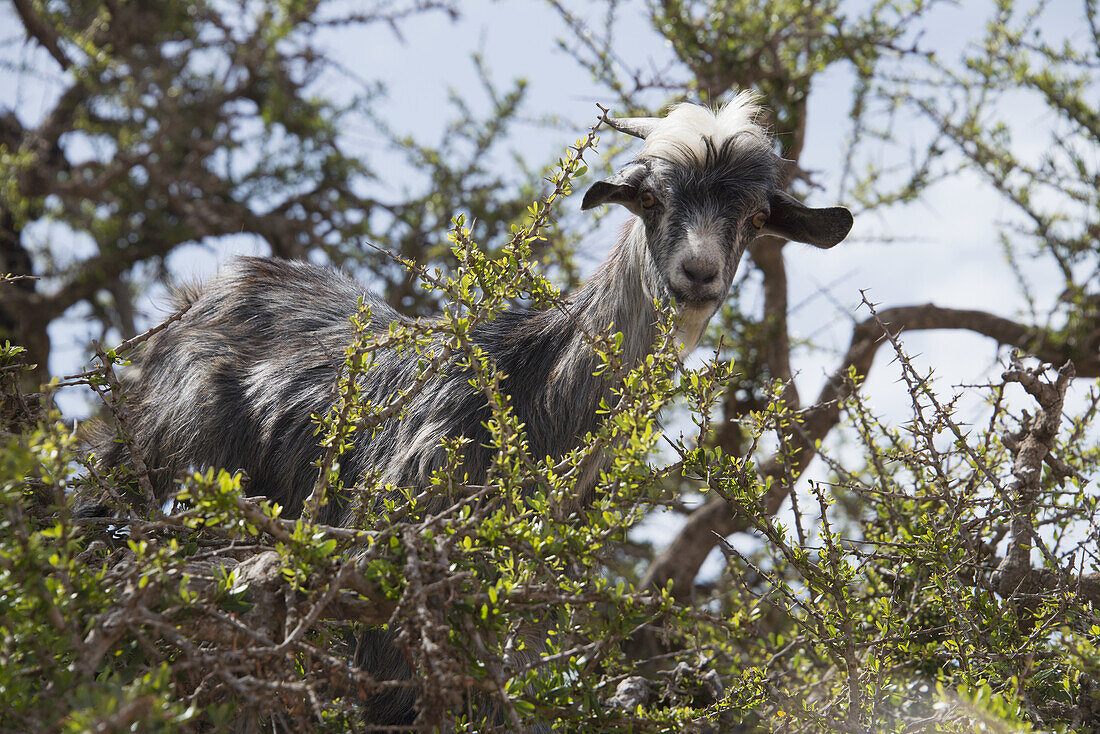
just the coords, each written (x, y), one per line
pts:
(684, 132)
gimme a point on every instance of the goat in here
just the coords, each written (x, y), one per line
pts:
(235, 382)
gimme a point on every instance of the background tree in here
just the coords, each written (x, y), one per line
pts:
(187, 123)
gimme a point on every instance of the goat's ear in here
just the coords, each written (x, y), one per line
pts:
(605, 192)
(793, 220)
(620, 187)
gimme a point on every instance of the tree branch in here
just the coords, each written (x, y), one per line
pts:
(680, 561)
(1014, 572)
(40, 31)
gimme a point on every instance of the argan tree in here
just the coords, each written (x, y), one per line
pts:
(937, 573)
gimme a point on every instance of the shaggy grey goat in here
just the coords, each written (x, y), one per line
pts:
(234, 383)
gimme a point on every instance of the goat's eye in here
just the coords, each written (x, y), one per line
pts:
(647, 200)
(759, 219)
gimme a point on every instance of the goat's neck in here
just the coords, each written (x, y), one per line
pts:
(619, 298)
(615, 299)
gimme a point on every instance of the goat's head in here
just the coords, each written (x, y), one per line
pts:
(703, 187)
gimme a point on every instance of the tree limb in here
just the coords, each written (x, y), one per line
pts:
(1015, 572)
(680, 561)
(42, 32)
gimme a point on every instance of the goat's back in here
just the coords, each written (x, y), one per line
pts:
(235, 382)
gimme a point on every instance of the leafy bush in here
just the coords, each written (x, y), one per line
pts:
(905, 599)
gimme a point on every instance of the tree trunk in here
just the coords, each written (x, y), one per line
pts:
(23, 321)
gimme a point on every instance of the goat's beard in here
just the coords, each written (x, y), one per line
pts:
(693, 320)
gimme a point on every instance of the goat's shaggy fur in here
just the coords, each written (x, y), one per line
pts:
(234, 384)
(257, 354)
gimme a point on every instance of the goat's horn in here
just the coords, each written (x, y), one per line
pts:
(639, 127)
(790, 170)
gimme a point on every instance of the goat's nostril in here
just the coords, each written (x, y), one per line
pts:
(699, 270)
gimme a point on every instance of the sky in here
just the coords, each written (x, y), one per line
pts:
(941, 250)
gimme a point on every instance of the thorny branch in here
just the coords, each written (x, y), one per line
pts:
(680, 561)
(1015, 574)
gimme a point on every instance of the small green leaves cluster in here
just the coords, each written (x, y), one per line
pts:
(883, 612)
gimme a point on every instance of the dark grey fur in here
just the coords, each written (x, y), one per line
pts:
(233, 384)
